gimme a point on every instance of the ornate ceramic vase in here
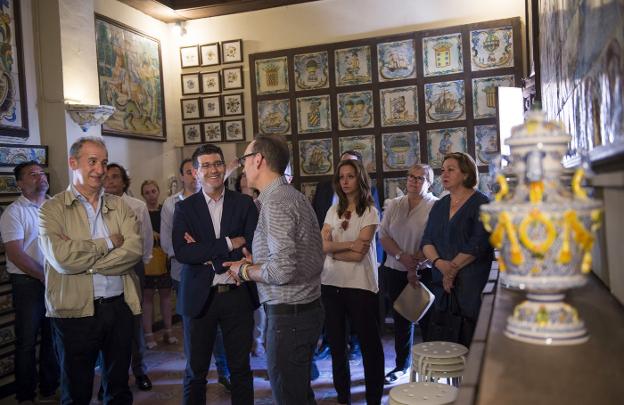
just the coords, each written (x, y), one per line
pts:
(544, 233)
(87, 115)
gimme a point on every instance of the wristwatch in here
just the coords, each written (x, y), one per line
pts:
(398, 255)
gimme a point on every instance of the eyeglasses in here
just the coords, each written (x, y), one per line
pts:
(241, 160)
(217, 165)
(345, 223)
(416, 178)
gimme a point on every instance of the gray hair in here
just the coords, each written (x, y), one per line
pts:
(76, 147)
(426, 168)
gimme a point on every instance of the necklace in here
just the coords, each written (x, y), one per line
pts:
(458, 201)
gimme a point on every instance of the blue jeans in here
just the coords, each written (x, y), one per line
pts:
(291, 341)
(29, 304)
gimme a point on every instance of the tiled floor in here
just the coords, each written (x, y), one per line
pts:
(166, 368)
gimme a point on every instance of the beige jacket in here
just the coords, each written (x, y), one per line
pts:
(70, 264)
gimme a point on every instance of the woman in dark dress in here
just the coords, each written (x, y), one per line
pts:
(457, 244)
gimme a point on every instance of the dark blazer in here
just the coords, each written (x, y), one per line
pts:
(239, 218)
(322, 200)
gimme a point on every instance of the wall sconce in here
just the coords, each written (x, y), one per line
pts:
(87, 115)
(180, 28)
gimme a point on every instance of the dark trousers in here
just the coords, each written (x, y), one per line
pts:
(291, 340)
(362, 310)
(80, 340)
(29, 304)
(139, 368)
(394, 283)
(233, 312)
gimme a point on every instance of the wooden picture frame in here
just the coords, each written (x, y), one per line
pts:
(211, 106)
(140, 107)
(189, 56)
(233, 104)
(12, 155)
(210, 82)
(232, 51)
(8, 185)
(13, 105)
(210, 54)
(233, 78)
(191, 84)
(191, 109)
(234, 129)
(192, 133)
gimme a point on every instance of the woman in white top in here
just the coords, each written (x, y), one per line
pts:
(349, 280)
(401, 230)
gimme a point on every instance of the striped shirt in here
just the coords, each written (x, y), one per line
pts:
(287, 243)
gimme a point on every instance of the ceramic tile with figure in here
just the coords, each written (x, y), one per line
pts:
(355, 110)
(443, 141)
(12, 63)
(274, 117)
(437, 188)
(365, 145)
(491, 48)
(316, 157)
(484, 94)
(400, 150)
(445, 101)
(353, 66)
(394, 187)
(308, 189)
(396, 60)
(272, 75)
(311, 71)
(313, 114)
(399, 106)
(486, 143)
(442, 55)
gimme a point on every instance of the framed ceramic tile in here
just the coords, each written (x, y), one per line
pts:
(487, 184)
(213, 131)
(355, 110)
(12, 155)
(486, 143)
(363, 144)
(443, 141)
(437, 188)
(291, 156)
(311, 71)
(313, 114)
(190, 84)
(396, 60)
(211, 82)
(400, 150)
(234, 130)
(233, 104)
(399, 106)
(308, 189)
(442, 55)
(484, 94)
(316, 157)
(232, 51)
(353, 66)
(445, 101)
(190, 109)
(272, 75)
(191, 133)
(395, 187)
(211, 106)
(233, 78)
(210, 55)
(274, 117)
(492, 48)
(189, 56)
(8, 185)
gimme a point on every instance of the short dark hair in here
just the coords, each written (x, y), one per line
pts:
(74, 150)
(185, 161)
(207, 149)
(352, 152)
(124, 174)
(467, 166)
(274, 150)
(18, 170)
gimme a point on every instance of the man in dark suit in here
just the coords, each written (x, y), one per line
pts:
(211, 227)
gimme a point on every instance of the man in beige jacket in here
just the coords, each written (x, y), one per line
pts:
(91, 242)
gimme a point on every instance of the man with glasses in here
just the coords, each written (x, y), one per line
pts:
(287, 265)
(209, 228)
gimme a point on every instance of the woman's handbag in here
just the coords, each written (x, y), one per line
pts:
(158, 265)
(446, 319)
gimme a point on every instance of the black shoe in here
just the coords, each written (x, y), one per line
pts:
(225, 381)
(355, 353)
(322, 353)
(394, 376)
(143, 382)
(101, 393)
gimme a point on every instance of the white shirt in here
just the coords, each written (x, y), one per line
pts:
(215, 207)
(20, 221)
(166, 230)
(405, 227)
(362, 274)
(140, 210)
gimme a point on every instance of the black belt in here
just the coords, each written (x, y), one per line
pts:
(107, 300)
(222, 288)
(291, 309)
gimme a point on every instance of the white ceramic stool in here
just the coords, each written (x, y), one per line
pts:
(434, 360)
(424, 393)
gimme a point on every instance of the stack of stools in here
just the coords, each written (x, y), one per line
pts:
(422, 393)
(432, 361)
